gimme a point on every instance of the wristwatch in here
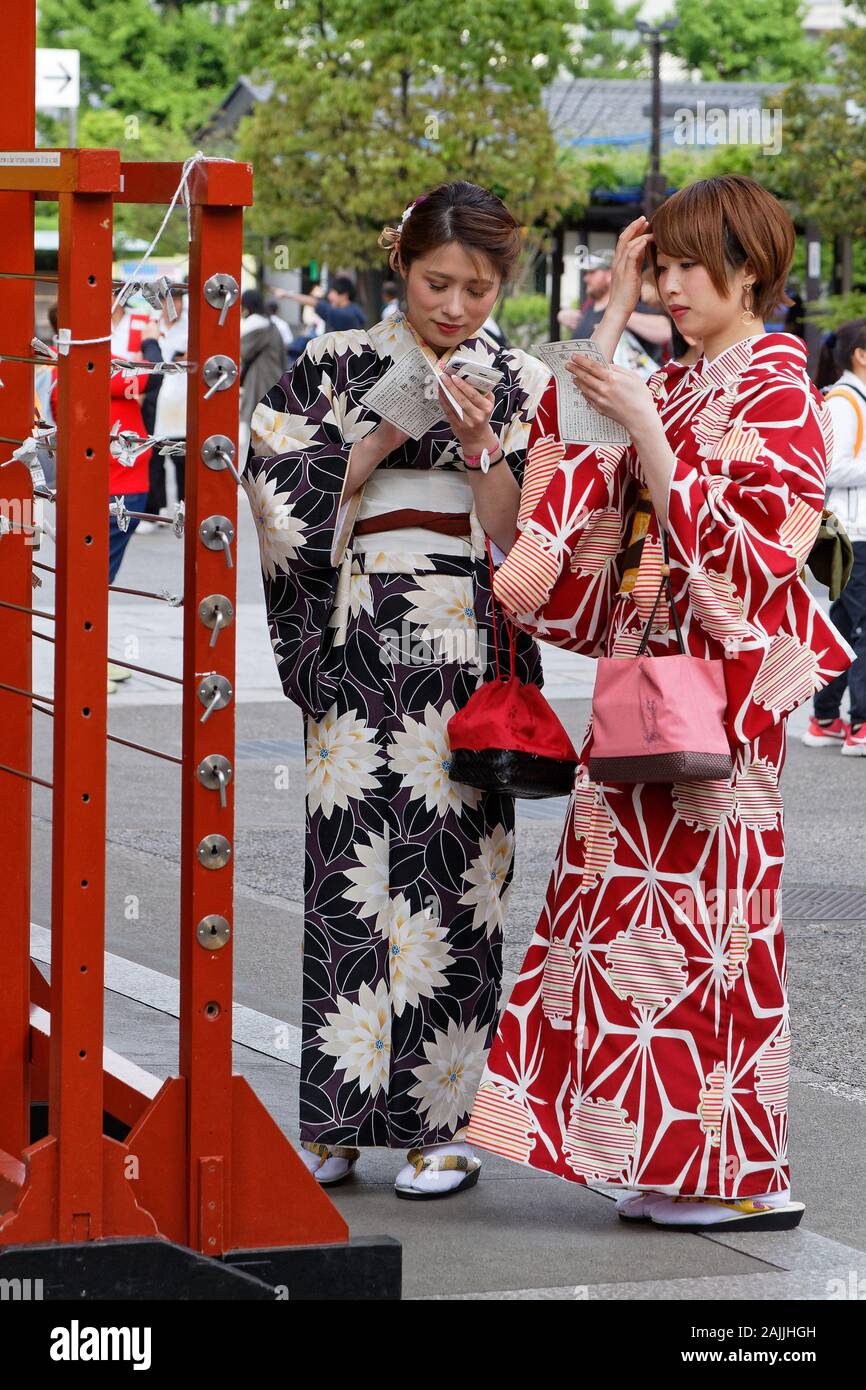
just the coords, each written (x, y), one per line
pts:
(485, 459)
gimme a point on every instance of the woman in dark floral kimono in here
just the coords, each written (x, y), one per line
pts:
(376, 567)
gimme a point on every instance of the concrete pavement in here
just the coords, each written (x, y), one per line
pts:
(519, 1234)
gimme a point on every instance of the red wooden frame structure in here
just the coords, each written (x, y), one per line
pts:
(202, 1163)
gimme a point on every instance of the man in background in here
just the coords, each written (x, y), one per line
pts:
(651, 328)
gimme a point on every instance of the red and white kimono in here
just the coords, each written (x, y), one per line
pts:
(646, 1043)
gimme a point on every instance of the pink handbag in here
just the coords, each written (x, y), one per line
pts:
(659, 718)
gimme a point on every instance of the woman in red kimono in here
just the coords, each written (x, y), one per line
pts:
(646, 1045)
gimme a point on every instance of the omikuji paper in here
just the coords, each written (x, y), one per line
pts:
(407, 395)
(579, 422)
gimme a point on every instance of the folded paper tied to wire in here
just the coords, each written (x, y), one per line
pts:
(579, 422)
(156, 293)
(125, 445)
(118, 509)
(43, 350)
(127, 368)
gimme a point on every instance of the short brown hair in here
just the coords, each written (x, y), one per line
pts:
(722, 223)
(462, 212)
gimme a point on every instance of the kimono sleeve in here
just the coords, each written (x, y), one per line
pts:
(528, 379)
(559, 579)
(741, 523)
(293, 477)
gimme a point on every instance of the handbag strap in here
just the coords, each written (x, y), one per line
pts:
(665, 584)
(505, 620)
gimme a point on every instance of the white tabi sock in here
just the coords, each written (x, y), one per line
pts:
(707, 1213)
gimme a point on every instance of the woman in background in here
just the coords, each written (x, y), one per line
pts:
(846, 481)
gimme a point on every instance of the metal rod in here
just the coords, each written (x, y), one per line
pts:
(31, 361)
(145, 670)
(7, 439)
(113, 738)
(22, 275)
(37, 612)
(181, 288)
(152, 516)
(127, 665)
(34, 694)
(119, 589)
(27, 776)
(154, 752)
(50, 496)
(140, 593)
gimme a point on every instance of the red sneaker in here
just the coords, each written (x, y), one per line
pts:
(855, 743)
(823, 735)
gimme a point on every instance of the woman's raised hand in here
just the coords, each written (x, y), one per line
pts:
(627, 266)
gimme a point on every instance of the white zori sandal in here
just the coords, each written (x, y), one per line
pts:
(329, 1166)
(439, 1171)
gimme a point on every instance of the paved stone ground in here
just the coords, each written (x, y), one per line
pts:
(519, 1234)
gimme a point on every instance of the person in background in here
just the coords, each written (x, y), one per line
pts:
(795, 317)
(338, 311)
(651, 327)
(130, 483)
(263, 361)
(151, 351)
(170, 416)
(284, 329)
(846, 484)
(313, 327)
(491, 327)
(391, 296)
(45, 378)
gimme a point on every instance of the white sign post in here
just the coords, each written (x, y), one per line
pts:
(58, 82)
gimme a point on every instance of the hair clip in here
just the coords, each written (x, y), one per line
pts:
(409, 210)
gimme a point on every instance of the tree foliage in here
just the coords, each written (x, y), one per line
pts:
(746, 40)
(374, 102)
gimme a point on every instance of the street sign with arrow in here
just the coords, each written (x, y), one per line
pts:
(57, 77)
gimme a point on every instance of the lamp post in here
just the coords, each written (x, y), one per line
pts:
(654, 183)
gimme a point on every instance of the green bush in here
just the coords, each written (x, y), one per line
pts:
(524, 319)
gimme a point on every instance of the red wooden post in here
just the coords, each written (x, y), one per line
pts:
(80, 678)
(206, 862)
(17, 61)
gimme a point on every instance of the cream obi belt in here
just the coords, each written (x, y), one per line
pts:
(410, 489)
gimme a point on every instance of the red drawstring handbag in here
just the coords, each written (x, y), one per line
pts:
(506, 738)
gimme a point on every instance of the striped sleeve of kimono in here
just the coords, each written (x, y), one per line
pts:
(294, 477)
(519, 406)
(741, 522)
(559, 578)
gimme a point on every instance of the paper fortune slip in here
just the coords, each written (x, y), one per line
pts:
(408, 395)
(579, 422)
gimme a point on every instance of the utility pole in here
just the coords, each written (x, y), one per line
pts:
(655, 184)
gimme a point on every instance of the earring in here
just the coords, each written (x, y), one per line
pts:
(747, 316)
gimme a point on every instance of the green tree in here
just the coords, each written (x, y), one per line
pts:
(151, 73)
(375, 101)
(746, 40)
(168, 64)
(607, 44)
